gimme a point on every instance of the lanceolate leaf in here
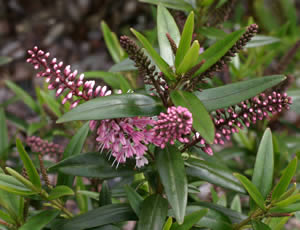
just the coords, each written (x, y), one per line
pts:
(258, 225)
(105, 194)
(214, 174)
(163, 66)
(252, 190)
(108, 214)
(27, 99)
(285, 180)
(29, 166)
(217, 50)
(4, 144)
(190, 59)
(74, 147)
(91, 165)
(154, 210)
(264, 165)
(12, 185)
(135, 200)
(115, 80)
(166, 25)
(171, 170)
(114, 106)
(185, 40)
(190, 220)
(173, 4)
(201, 118)
(40, 220)
(60, 191)
(224, 96)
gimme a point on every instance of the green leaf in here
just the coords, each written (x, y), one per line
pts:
(105, 194)
(213, 173)
(190, 220)
(190, 59)
(74, 147)
(12, 185)
(104, 215)
(125, 65)
(51, 103)
(288, 201)
(171, 170)
(114, 106)
(258, 225)
(40, 220)
(6, 217)
(264, 165)
(232, 94)
(168, 224)
(154, 210)
(218, 50)
(115, 80)
(135, 200)
(236, 204)
(166, 25)
(4, 144)
(91, 165)
(185, 40)
(26, 98)
(285, 179)
(252, 190)
(295, 94)
(162, 65)
(286, 209)
(29, 166)
(82, 200)
(172, 4)
(4, 60)
(201, 118)
(261, 40)
(60, 191)
(112, 43)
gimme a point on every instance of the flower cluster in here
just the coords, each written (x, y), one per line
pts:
(63, 79)
(124, 138)
(227, 121)
(44, 147)
(176, 124)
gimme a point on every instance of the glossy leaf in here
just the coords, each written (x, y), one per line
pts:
(190, 220)
(261, 40)
(258, 225)
(26, 98)
(285, 179)
(91, 165)
(236, 204)
(40, 220)
(115, 80)
(114, 106)
(168, 224)
(29, 166)
(286, 209)
(166, 25)
(12, 185)
(60, 191)
(112, 43)
(201, 118)
(190, 59)
(171, 170)
(104, 215)
(154, 210)
(252, 190)
(213, 173)
(185, 40)
(232, 94)
(105, 194)
(4, 144)
(217, 50)
(264, 165)
(162, 65)
(174, 4)
(288, 201)
(74, 147)
(125, 65)
(135, 200)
